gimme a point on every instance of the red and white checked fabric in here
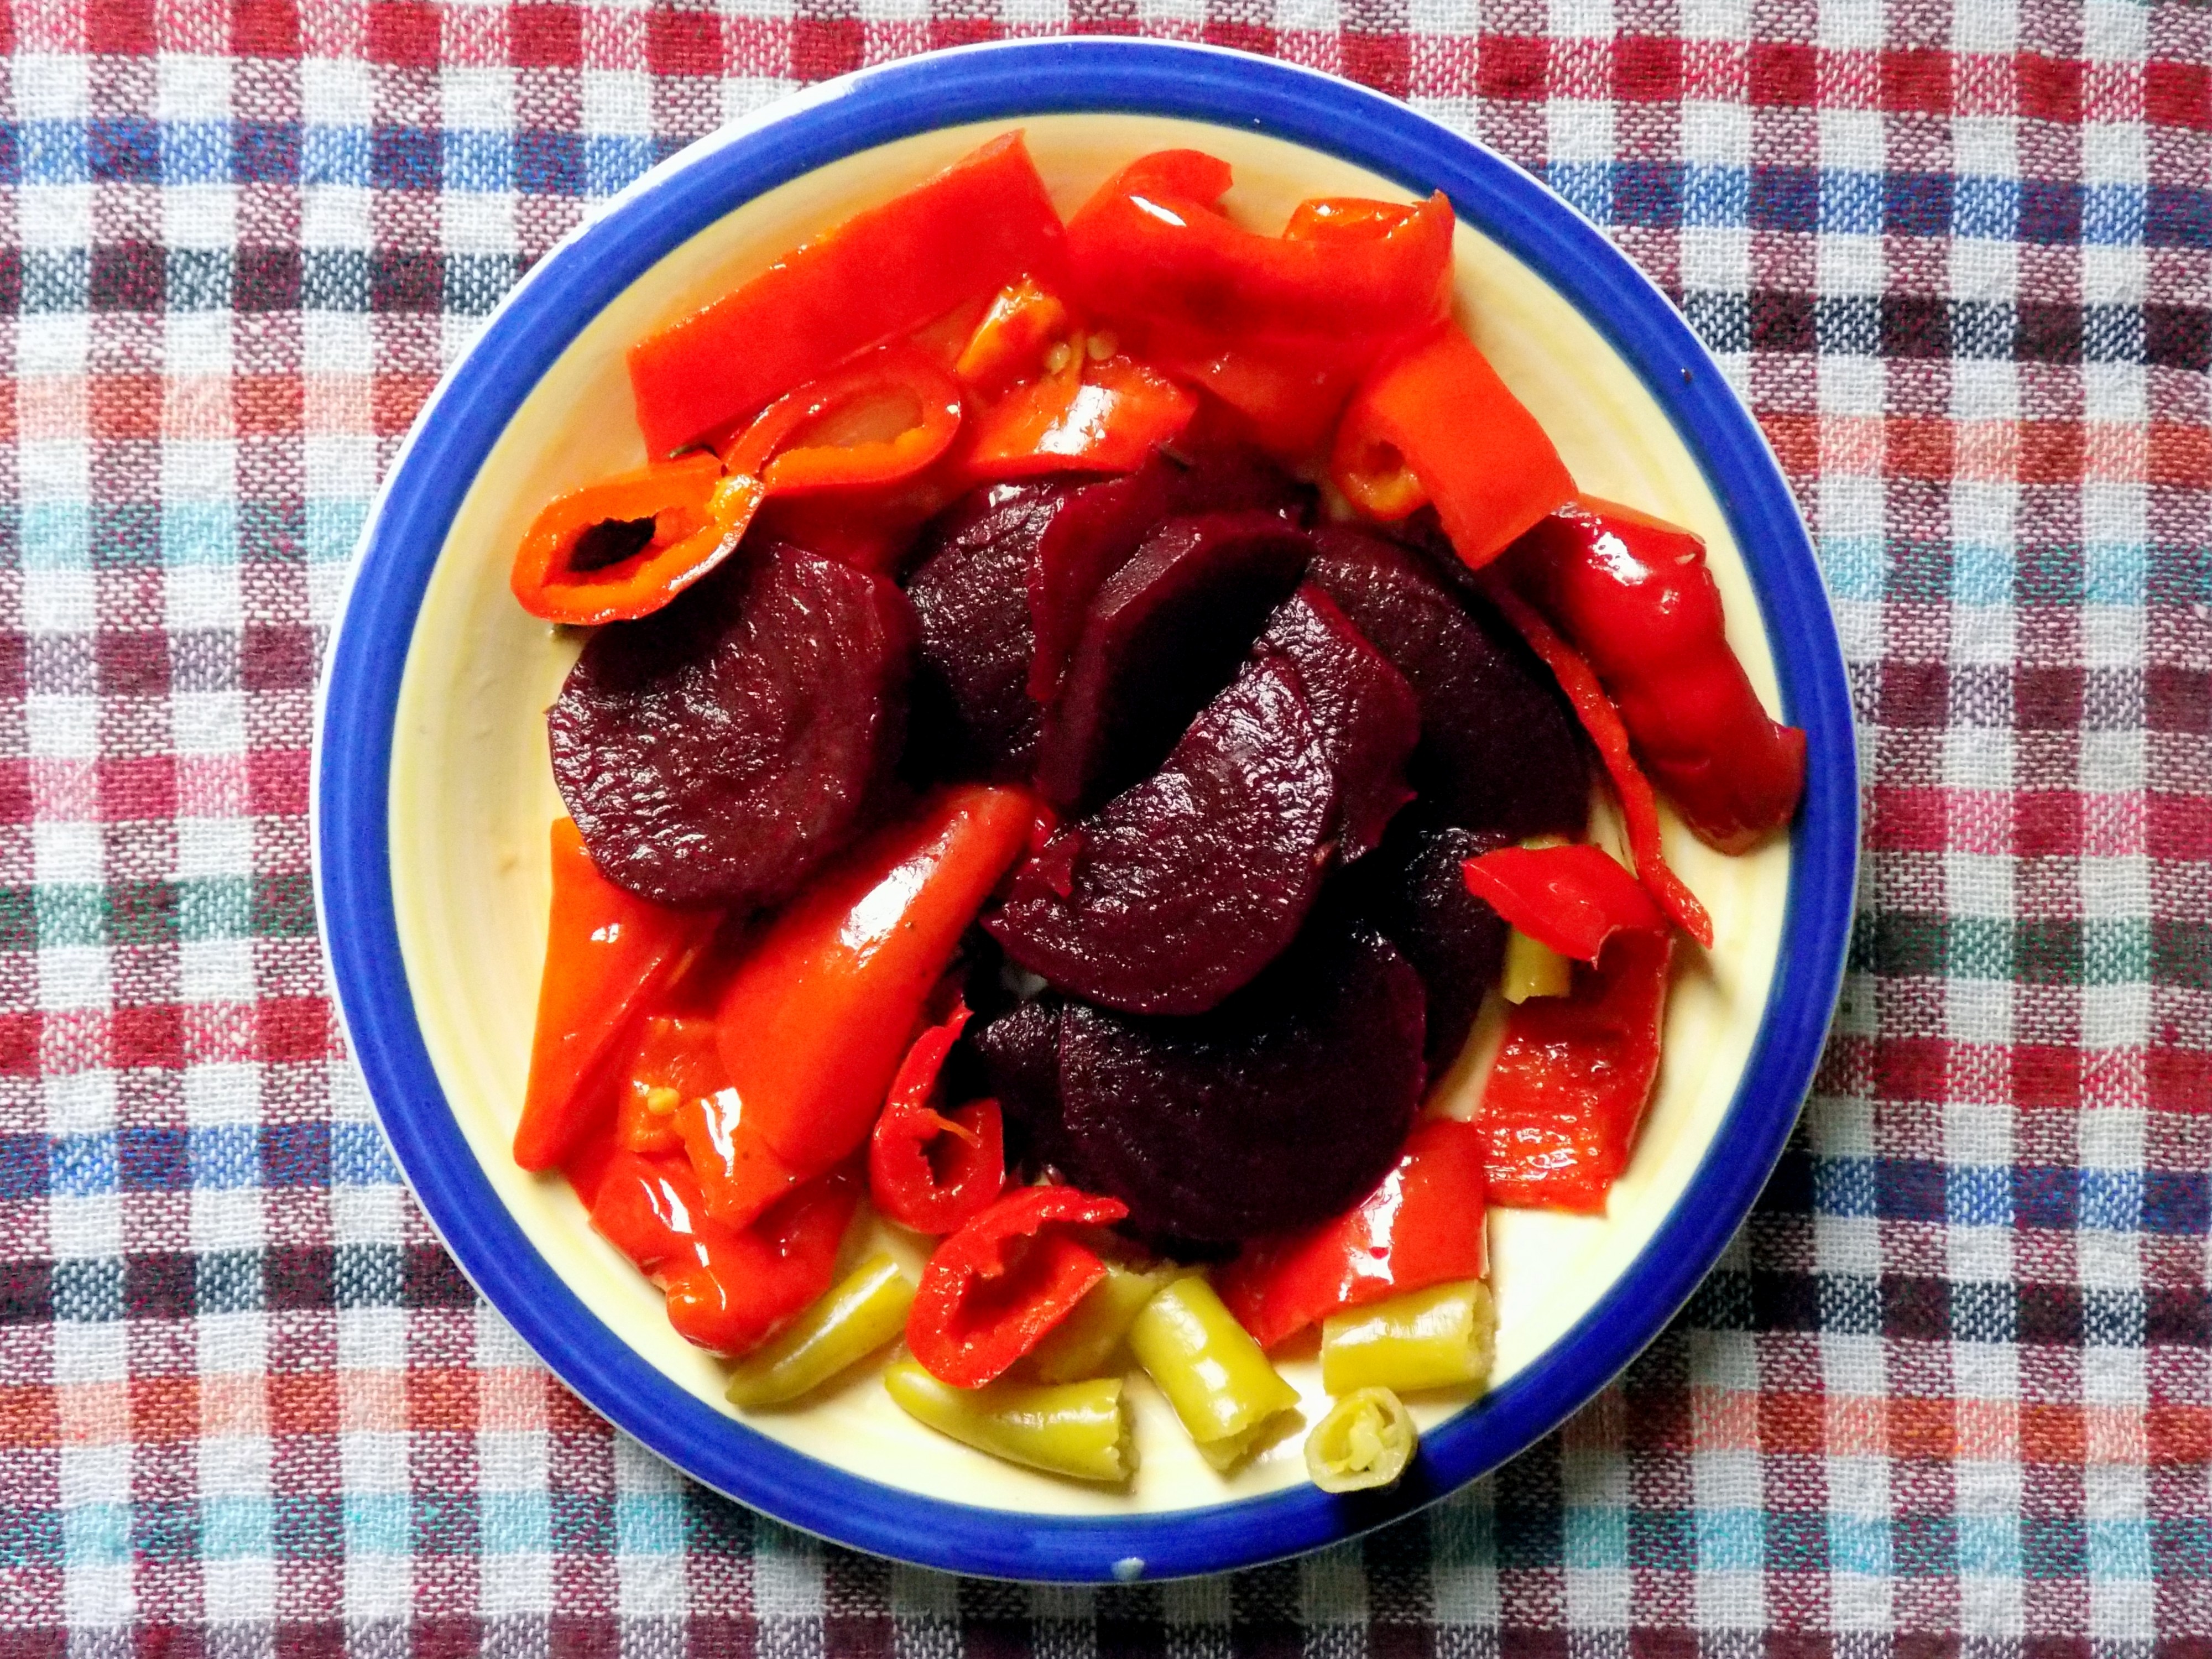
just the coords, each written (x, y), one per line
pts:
(1952, 1391)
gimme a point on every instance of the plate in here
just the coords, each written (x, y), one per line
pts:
(432, 790)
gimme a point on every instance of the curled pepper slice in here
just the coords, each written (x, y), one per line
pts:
(729, 1289)
(879, 419)
(1570, 898)
(1109, 417)
(990, 1291)
(930, 1170)
(623, 547)
(1009, 344)
(1639, 806)
(1635, 596)
(1433, 422)
(1421, 1226)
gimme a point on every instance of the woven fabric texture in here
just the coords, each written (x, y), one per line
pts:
(1951, 1389)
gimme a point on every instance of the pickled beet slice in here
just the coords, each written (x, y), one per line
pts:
(972, 712)
(1414, 890)
(1182, 889)
(1162, 635)
(1238, 480)
(1281, 1109)
(720, 749)
(1367, 713)
(1092, 531)
(1499, 749)
(1017, 1058)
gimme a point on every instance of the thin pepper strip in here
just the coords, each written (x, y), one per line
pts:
(622, 548)
(1639, 806)
(930, 1170)
(1422, 1225)
(1636, 597)
(1106, 416)
(992, 1290)
(895, 379)
(607, 952)
(1566, 1097)
(1570, 898)
(983, 222)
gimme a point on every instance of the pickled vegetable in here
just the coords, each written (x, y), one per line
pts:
(1085, 1343)
(1444, 1337)
(1364, 1442)
(1080, 1429)
(1210, 1369)
(863, 1311)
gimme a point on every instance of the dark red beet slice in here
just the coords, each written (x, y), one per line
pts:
(972, 712)
(1367, 713)
(1164, 633)
(720, 749)
(1499, 749)
(1017, 1064)
(1235, 481)
(1414, 889)
(1281, 1109)
(1092, 531)
(1184, 888)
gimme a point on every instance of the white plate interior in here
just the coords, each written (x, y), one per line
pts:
(473, 793)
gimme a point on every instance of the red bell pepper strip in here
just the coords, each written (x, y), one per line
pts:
(1570, 898)
(729, 1289)
(1423, 1226)
(674, 1059)
(1635, 596)
(607, 952)
(1010, 342)
(1561, 1108)
(929, 1170)
(981, 223)
(1639, 806)
(623, 547)
(1436, 409)
(990, 1291)
(1288, 389)
(891, 384)
(817, 1016)
(1153, 243)
(1108, 418)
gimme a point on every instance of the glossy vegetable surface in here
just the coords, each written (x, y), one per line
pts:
(623, 547)
(1221, 1386)
(1080, 1429)
(1571, 897)
(1444, 1337)
(1364, 1441)
(927, 1170)
(860, 1315)
(1087, 1342)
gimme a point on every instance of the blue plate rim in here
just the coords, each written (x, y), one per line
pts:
(350, 802)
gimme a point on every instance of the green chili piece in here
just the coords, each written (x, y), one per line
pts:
(862, 1312)
(1366, 1440)
(1210, 1369)
(1083, 1344)
(1440, 1338)
(1080, 1430)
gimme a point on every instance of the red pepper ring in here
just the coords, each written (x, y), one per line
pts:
(992, 1291)
(1639, 806)
(1570, 898)
(896, 378)
(929, 1170)
(622, 548)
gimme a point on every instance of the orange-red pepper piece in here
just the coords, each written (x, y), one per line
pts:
(829, 434)
(1108, 419)
(623, 547)
(673, 1060)
(990, 1291)
(1009, 343)
(981, 223)
(1422, 1225)
(1563, 1102)
(1572, 898)
(607, 952)
(1639, 806)
(819, 1014)
(932, 1171)
(1437, 410)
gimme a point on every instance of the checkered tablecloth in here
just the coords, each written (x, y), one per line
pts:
(1952, 1387)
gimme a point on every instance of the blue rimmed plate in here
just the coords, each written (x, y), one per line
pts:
(432, 791)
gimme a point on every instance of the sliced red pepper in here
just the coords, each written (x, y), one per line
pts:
(1639, 806)
(1422, 1226)
(1105, 418)
(729, 1289)
(607, 952)
(1560, 1111)
(1010, 342)
(929, 1170)
(879, 419)
(990, 1291)
(818, 1015)
(1570, 898)
(1153, 243)
(623, 547)
(1288, 389)
(674, 1059)
(983, 222)
(1436, 409)
(1635, 596)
